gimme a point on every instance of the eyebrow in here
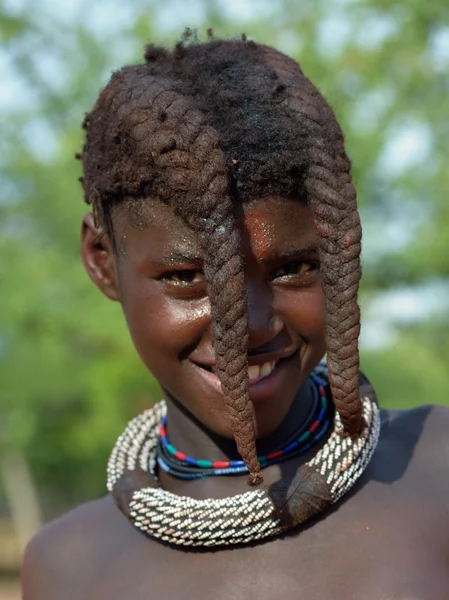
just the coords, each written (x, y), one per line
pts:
(176, 258)
(294, 253)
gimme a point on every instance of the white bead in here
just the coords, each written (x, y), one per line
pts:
(243, 518)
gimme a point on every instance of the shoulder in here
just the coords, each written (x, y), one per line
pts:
(62, 558)
(414, 444)
(427, 423)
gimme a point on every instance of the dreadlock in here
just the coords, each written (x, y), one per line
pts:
(208, 126)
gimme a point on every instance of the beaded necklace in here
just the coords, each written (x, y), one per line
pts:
(243, 518)
(185, 467)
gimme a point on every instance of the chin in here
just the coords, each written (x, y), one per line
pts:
(268, 417)
(268, 421)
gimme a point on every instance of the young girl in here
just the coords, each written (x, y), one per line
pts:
(225, 223)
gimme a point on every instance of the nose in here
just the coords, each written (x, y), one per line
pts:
(263, 323)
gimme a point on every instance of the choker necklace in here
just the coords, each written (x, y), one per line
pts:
(181, 466)
(243, 518)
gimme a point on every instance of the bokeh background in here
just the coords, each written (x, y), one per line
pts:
(69, 378)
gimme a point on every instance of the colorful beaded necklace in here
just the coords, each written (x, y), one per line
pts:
(244, 518)
(185, 467)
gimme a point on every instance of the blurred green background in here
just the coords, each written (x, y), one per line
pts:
(69, 378)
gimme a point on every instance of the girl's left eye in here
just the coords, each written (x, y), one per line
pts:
(295, 269)
(183, 277)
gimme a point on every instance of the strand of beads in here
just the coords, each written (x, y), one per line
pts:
(240, 519)
(185, 467)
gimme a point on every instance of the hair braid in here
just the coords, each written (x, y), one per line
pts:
(332, 199)
(226, 287)
(207, 126)
(177, 157)
(340, 233)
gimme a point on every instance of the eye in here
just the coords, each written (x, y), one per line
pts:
(297, 270)
(184, 277)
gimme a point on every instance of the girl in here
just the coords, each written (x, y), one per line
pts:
(225, 223)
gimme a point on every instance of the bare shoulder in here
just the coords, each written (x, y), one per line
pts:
(62, 560)
(425, 424)
(433, 447)
(416, 442)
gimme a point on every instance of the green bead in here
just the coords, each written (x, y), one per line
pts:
(171, 448)
(204, 463)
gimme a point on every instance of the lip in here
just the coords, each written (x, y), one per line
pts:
(255, 359)
(262, 389)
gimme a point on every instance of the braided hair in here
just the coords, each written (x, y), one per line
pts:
(210, 125)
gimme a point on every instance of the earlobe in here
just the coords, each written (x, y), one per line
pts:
(98, 257)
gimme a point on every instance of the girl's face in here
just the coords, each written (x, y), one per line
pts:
(157, 276)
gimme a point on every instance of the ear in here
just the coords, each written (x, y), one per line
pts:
(98, 257)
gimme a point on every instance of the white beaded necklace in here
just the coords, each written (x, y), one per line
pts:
(243, 518)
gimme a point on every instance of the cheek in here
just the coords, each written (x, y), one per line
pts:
(303, 310)
(164, 330)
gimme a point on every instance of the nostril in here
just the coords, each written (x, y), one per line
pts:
(277, 344)
(263, 330)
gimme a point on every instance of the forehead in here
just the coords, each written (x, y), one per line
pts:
(264, 224)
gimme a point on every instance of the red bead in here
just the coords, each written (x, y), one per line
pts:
(162, 432)
(275, 454)
(314, 426)
(180, 455)
(220, 464)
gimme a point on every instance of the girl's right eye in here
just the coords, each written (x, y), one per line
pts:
(183, 277)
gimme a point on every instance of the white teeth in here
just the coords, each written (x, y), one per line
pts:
(254, 373)
(257, 372)
(266, 369)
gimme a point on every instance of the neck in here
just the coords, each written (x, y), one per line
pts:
(190, 436)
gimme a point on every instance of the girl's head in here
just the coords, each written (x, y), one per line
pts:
(219, 182)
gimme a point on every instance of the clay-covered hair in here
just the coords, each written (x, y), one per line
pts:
(210, 125)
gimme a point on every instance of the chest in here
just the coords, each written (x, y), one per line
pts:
(397, 552)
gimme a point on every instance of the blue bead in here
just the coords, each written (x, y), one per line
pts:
(317, 378)
(161, 462)
(230, 471)
(320, 434)
(322, 414)
(291, 446)
(190, 460)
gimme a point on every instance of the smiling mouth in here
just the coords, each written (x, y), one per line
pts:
(256, 373)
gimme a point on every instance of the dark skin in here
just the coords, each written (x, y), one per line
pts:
(387, 539)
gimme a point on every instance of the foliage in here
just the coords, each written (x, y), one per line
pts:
(70, 377)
